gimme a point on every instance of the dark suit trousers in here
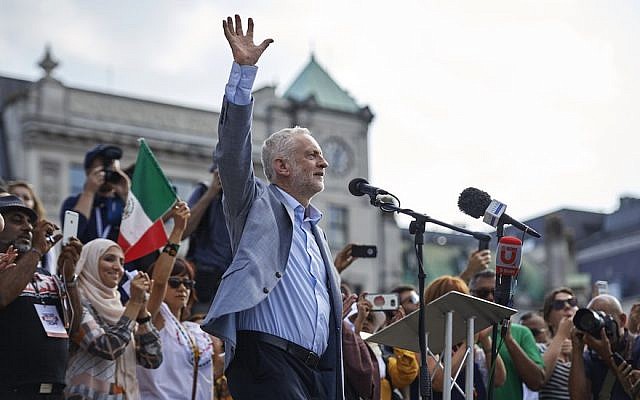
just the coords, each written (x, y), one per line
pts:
(262, 371)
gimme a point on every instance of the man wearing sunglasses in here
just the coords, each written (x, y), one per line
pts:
(521, 357)
(278, 307)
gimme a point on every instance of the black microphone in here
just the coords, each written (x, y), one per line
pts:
(360, 187)
(477, 203)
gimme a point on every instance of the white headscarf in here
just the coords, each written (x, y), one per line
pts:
(106, 301)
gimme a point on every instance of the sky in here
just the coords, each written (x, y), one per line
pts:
(536, 102)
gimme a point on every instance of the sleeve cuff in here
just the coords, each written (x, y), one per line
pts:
(241, 79)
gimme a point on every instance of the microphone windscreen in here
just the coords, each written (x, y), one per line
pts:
(474, 202)
(354, 186)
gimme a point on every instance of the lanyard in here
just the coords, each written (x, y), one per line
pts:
(102, 232)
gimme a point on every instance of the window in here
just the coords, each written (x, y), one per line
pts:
(337, 220)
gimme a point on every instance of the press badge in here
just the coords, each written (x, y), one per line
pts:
(51, 321)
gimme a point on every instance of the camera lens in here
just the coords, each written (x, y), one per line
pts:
(588, 321)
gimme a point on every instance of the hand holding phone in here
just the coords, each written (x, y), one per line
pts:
(383, 301)
(70, 228)
(364, 251)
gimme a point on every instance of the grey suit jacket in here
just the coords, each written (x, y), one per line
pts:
(261, 230)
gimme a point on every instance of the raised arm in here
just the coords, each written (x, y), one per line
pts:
(234, 149)
(527, 359)
(200, 201)
(164, 264)
(67, 265)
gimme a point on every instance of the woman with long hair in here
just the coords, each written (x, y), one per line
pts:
(560, 305)
(437, 288)
(187, 370)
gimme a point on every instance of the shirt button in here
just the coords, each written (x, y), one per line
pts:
(265, 290)
(278, 274)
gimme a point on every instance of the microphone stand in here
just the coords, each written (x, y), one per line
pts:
(494, 333)
(417, 228)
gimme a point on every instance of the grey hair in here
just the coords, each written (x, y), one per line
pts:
(279, 145)
(487, 273)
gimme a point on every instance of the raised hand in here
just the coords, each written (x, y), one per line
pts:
(7, 259)
(347, 302)
(44, 236)
(344, 258)
(68, 258)
(123, 185)
(244, 51)
(181, 215)
(140, 287)
(564, 327)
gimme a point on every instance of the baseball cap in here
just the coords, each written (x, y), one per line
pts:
(13, 203)
(102, 150)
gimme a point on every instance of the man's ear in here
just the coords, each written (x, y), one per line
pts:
(623, 320)
(281, 167)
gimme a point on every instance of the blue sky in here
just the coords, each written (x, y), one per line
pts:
(535, 102)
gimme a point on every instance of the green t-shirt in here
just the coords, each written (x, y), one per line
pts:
(512, 388)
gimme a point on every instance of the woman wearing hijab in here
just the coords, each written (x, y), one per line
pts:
(111, 338)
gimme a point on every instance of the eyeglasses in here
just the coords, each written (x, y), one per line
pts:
(175, 282)
(484, 293)
(559, 304)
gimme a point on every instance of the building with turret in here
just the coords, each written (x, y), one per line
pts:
(46, 127)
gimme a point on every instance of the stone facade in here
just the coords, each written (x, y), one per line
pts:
(46, 128)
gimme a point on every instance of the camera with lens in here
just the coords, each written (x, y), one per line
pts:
(592, 322)
(109, 154)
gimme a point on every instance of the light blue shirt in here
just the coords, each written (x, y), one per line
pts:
(238, 89)
(298, 308)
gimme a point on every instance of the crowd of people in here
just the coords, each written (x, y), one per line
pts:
(257, 309)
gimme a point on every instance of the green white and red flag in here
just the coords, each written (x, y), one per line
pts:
(151, 196)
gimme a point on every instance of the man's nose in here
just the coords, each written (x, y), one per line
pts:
(323, 162)
(27, 225)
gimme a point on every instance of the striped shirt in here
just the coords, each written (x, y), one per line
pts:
(557, 387)
(298, 308)
(96, 347)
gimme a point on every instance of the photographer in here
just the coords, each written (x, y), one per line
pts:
(594, 374)
(103, 197)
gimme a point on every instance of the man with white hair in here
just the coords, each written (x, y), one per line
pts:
(594, 373)
(278, 307)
